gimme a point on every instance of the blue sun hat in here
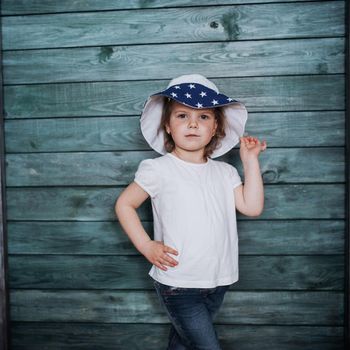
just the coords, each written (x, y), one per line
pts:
(195, 91)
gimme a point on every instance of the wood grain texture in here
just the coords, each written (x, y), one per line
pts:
(259, 94)
(12, 7)
(77, 74)
(256, 237)
(281, 129)
(292, 165)
(261, 57)
(4, 293)
(198, 24)
(138, 336)
(71, 272)
(293, 201)
(263, 307)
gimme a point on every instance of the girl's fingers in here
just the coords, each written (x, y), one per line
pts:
(160, 266)
(170, 250)
(250, 139)
(168, 261)
(167, 258)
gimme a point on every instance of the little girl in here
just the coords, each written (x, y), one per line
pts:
(194, 200)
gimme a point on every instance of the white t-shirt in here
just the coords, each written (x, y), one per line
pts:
(193, 212)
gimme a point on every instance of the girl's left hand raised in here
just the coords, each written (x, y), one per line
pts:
(251, 146)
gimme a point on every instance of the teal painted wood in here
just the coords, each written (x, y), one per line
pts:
(257, 273)
(274, 237)
(282, 129)
(12, 7)
(320, 165)
(293, 201)
(264, 307)
(198, 24)
(267, 94)
(75, 336)
(71, 263)
(227, 59)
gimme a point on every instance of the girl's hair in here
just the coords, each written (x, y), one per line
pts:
(169, 143)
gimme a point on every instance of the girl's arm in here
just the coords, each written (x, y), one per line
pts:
(125, 208)
(249, 198)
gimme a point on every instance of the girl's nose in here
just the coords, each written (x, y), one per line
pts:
(192, 122)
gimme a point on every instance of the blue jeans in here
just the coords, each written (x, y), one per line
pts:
(191, 312)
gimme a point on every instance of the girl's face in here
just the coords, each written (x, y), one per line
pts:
(191, 129)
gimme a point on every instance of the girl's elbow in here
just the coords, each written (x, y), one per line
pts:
(257, 212)
(116, 208)
(250, 213)
(118, 205)
(255, 215)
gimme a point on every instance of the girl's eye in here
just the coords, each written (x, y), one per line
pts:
(203, 116)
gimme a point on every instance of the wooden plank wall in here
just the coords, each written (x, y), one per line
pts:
(4, 290)
(76, 74)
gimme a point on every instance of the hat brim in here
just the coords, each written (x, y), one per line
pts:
(196, 96)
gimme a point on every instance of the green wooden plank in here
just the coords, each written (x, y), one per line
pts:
(255, 237)
(198, 24)
(131, 272)
(287, 308)
(279, 93)
(12, 7)
(288, 129)
(227, 59)
(293, 201)
(285, 165)
(75, 336)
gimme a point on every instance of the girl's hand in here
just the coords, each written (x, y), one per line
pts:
(156, 253)
(251, 146)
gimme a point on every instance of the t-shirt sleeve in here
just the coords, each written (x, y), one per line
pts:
(147, 177)
(234, 176)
